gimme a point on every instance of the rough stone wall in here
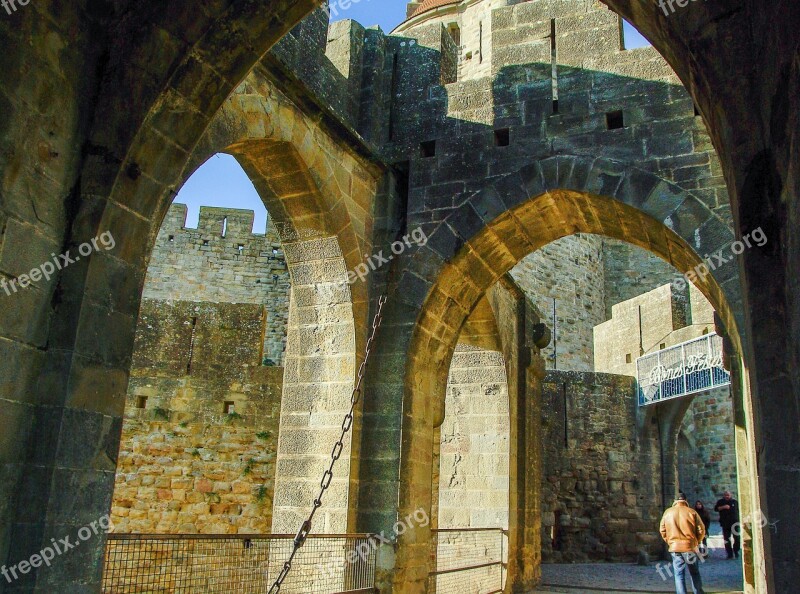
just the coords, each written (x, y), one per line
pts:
(200, 431)
(236, 266)
(473, 468)
(600, 479)
(707, 448)
(570, 271)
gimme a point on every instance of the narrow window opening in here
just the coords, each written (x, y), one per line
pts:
(566, 414)
(171, 238)
(427, 149)
(615, 120)
(240, 248)
(230, 407)
(191, 346)
(554, 63)
(205, 242)
(628, 358)
(555, 531)
(480, 42)
(141, 402)
(502, 137)
(394, 95)
(224, 226)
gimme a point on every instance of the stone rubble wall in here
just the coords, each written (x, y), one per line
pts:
(188, 462)
(601, 484)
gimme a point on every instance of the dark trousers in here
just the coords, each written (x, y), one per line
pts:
(727, 532)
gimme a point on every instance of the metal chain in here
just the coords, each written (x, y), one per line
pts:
(336, 453)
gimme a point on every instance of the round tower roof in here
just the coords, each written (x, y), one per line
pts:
(431, 4)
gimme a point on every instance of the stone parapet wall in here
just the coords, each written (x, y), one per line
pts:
(222, 261)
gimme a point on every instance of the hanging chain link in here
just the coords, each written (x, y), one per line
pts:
(336, 453)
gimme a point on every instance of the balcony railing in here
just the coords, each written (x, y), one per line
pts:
(468, 561)
(240, 564)
(684, 369)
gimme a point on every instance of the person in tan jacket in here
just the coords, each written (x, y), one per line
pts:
(683, 530)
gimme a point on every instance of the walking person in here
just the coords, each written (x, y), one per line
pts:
(704, 514)
(728, 509)
(683, 530)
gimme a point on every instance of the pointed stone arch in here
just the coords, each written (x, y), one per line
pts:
(494, 229)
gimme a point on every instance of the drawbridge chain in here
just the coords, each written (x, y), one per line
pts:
(336, 453)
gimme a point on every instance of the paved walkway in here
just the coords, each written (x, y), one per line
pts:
(719, 576)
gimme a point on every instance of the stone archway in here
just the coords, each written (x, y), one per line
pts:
(569, 195)
(322, 238)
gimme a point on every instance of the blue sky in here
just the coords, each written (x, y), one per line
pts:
(390, 13)
(221, 182)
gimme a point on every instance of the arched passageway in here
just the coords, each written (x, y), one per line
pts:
(83, 137)
(503, 241)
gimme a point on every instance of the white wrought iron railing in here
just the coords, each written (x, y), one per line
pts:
(684, 369)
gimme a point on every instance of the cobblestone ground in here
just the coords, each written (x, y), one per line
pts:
(719, 576)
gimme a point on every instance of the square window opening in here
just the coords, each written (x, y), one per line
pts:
(141, 402)
(615, 120)
(502, 137)
(427, 149)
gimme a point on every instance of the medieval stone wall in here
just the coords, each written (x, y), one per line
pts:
(201, 421)
(569, 271)
(223, 261)
(600, 488)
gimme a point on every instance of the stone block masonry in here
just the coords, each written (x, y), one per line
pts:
(569, 271)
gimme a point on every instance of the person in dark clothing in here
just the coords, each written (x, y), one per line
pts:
(705, 516)
(728, 509)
